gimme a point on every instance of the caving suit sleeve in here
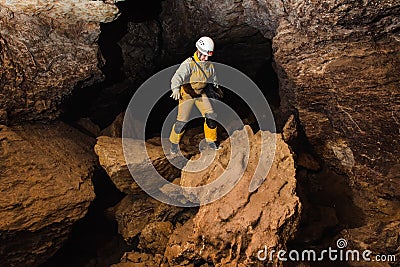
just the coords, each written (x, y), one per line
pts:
(182, 75)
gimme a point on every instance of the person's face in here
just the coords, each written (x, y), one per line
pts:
(203, 57)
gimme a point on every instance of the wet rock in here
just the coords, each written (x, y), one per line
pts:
(47, 49)
(45, 188)
(234, 228)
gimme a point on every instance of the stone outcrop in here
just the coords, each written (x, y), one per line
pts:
(133, 213)
(138, 211)
(231, 230)
(137, 214)
(154, 237)
(47, 48)
(45, 188)
(337, 63)
(111, 155)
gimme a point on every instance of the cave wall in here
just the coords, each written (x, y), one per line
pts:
(236, 43)
(47, 49)
(337, 63)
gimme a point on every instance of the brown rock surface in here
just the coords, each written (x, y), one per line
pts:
(336, 64)
(154, 237)
(234, 228)
(45, 188)
(137, 212)
(133, 213)
(46, 49)
(115, 128)
(111, 156)
(136, 259)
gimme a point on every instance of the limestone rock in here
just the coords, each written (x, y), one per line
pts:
(234, 228)
(154, 237)
(111, 156)
(68, 10)
(45, 188)
(133, 213)
(115, 128)
(136, 259)
(47, 49)
(335, 62)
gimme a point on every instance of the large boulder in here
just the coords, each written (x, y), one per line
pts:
(135, 211)
(47, 48)
(45, 187)
(141, 158)
(234, 228)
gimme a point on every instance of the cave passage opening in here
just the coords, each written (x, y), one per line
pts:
(104, 101)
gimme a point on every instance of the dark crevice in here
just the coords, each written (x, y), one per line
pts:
(328, 207)
(94, 240)
(111, 33)
(88, 101)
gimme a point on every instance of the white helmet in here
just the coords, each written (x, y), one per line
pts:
(205, 45)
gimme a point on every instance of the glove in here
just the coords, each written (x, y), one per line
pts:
(175, 94)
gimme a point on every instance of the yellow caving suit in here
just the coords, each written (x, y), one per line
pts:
(191, 81)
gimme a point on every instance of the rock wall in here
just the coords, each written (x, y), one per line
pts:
(336, 63)
(47, 48)
(45, 188)
(236, 43)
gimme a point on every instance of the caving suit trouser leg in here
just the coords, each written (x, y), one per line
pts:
(185, 106)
